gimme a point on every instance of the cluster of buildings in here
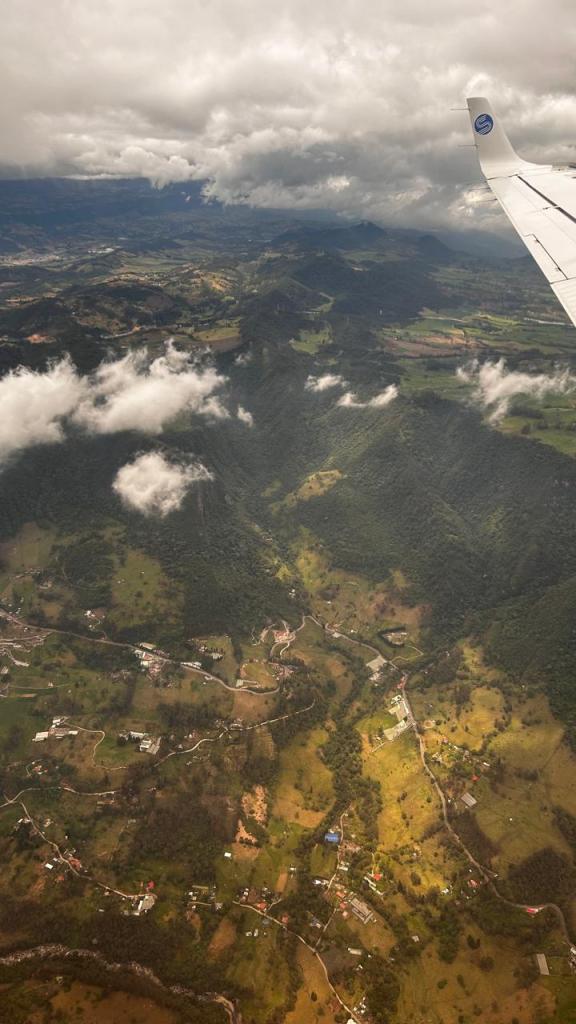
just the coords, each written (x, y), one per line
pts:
(94, 618)
(376, 666)
(349, 902)
(400, 709)
(210, 652)
(57, 731)
(68, 859)
(150, 659)
(146, 744)
(261, 899)
(283, 636)
(204, 896)
(395, 637)
(360, 909)
(144, 904)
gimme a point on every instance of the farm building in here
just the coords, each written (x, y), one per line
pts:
(468, 800)
(542, 964)
(375, 666)
(360, 910)
(145, 903)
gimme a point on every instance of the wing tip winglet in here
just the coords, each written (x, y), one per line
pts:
(495, 153)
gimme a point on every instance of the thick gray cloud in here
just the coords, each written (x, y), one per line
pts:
(343, 105)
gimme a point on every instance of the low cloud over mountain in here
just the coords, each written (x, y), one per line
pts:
(245, 417)
(136, 394)
(325, 382)
(153, 485)
(36, 405)
(380, 401)
(495, 386)
(131, 393)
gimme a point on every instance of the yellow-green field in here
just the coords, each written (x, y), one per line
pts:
(442, 993)
(352, 601)
(221, 337)
(314, 486)
(259, 964)
(309, 1010)
(141, 592)
(304, 790)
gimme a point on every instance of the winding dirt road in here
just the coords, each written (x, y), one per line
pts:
(485, 872)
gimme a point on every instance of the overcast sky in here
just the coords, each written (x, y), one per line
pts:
(308, 103)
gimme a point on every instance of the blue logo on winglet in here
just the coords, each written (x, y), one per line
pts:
(483, 124)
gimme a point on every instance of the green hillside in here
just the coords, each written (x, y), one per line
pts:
(273, 700)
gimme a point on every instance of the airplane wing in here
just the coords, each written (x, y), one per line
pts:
(539, 199)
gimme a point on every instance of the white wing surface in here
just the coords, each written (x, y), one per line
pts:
(539, 199)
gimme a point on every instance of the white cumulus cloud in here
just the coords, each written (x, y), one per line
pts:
(380, 401)
(34, 406)
(325, 382)
(153, 485)
(495, 386)
(244, 416)
(131, 393)
(135, 394)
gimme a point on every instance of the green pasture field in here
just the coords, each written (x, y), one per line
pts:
(259, 965)
(221, 336)
(304, 789)
(353, 602)
(311, 341)
(141, 591)
(227, 667)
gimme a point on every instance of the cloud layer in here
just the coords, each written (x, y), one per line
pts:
(132, 393)
(153, 485)
(495, 386)
(339, 105)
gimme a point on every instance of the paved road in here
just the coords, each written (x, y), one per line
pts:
(258, 692)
